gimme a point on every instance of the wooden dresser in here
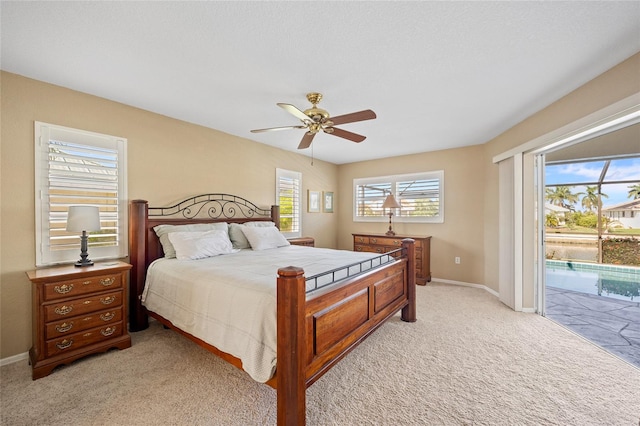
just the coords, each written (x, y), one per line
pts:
(381, 243)
(77, 311)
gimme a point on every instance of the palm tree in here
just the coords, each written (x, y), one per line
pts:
(590, 198)
(562, 196)
(634, 191)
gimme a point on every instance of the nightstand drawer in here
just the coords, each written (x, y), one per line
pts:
(72, 308)
(73, 288)
(76, 324)
(82, 339)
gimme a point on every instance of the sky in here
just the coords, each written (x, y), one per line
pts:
(589, 172)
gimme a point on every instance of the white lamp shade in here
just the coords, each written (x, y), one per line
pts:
(83, 218)
(390, 202)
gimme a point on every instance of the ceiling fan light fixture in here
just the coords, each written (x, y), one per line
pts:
(317, 119)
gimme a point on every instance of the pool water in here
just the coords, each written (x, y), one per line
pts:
(618, 282)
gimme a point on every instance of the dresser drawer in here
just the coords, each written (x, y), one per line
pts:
(370, 249)
(360, 240)
(84, 338)
(78, 287)
(85, 322)
(71, 308)
(381, 243)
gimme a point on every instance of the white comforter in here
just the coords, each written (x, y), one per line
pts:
(229, 301)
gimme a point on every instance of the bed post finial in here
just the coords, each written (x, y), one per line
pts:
(138, 209)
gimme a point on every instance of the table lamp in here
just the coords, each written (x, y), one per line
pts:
(85, 219)
(390, 203)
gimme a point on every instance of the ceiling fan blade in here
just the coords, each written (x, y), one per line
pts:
(295, 111)
(367, 114)
(306, 140)
(354, 137)
(272, 129)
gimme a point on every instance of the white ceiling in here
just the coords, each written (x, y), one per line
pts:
(438, 74)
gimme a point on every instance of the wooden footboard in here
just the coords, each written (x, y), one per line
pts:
(315, 329)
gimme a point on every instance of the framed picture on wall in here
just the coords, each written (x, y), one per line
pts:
(313, 200)
(327, 202)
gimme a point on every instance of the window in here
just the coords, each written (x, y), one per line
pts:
(75, 167)
(288, 197)
(421, 197)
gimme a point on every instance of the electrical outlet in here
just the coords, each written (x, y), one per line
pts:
(457, 260)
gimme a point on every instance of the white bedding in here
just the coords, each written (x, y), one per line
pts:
(229, 301)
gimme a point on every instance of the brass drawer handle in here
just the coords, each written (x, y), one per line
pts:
(108, 331)
(374, 240)
(108, 281)
(358, 248)
(86, 282)
(378, 250)
(63, 310)
(108, 316)
(63, 289)
(107, 300)
(65, 344)
(64, 327)
(396, 242)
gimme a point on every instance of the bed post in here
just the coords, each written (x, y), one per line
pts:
(275, 215)
(409, 311)
(138, 319)
(290, 368)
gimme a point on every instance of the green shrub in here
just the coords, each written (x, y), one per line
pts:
(621, 251)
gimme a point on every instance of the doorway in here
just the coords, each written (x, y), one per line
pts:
(592, 267)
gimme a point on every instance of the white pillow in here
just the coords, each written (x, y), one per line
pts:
(236, 232)
(263, 238)
(162, 231)
(198, 245)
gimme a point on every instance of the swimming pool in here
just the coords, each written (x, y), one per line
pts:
(618, 282)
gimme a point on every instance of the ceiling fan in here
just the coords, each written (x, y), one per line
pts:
(317, 119)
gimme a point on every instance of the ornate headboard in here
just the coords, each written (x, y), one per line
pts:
(145, 247)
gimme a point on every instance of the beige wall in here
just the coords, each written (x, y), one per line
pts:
(461, 234)
(170, 159)
(610, 87)
(167, 160)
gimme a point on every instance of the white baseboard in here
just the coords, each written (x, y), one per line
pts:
(15, 358)
(465, 284)
(481, 286)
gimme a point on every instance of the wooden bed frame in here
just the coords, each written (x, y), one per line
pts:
(315, 329)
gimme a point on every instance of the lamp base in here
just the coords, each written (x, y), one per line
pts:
(83, 251)
(84, 262)
(390, 231)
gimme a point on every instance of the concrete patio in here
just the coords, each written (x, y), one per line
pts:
(610, 323)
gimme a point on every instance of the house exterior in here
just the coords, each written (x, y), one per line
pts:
(558, 211)
(627, 213)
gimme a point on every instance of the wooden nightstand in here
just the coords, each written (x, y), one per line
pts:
(303, 241)
(77, 311)
(382, 243)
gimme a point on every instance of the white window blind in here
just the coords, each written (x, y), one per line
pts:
(420, 195)
(75, 167)
(289, 198)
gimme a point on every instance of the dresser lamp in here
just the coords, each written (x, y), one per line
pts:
(85, 219)
(390, 203)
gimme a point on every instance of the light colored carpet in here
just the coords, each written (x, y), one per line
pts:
(469, 360)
